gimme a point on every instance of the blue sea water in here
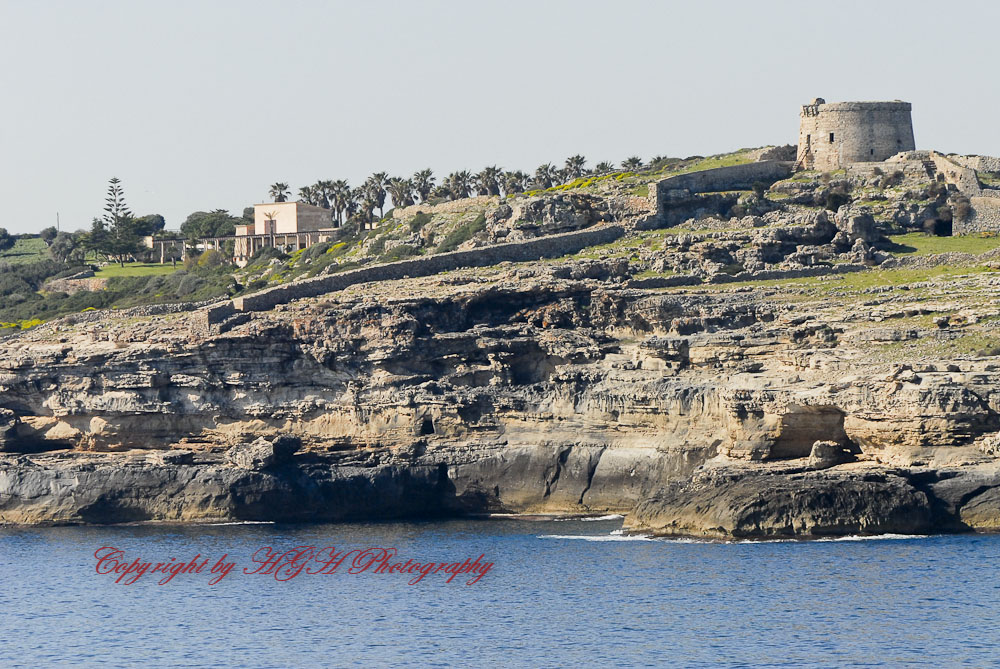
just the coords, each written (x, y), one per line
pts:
(561, 593)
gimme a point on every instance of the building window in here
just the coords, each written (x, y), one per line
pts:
(831, 138)
(873, 152)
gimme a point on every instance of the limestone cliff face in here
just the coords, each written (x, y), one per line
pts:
(502, 390)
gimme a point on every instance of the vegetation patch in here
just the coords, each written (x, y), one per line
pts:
(462, 234)
(25, 250)
(920, 244)
(135, 269)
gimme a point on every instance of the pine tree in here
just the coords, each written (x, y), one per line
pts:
(122, 239)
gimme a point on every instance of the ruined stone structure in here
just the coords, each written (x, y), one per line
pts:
(834, 135)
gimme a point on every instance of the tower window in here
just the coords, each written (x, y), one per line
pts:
(872, 152)
(831, 138)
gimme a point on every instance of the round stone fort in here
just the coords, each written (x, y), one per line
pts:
(834, 135)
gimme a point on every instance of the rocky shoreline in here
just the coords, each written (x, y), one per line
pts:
(525, 389)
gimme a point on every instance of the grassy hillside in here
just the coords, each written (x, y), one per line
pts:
(25, 250)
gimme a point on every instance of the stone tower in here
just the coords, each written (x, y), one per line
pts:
(834, 135)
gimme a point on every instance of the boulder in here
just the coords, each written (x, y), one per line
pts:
(171, 457)
(263, 454)
(857, 225)
(826, 454)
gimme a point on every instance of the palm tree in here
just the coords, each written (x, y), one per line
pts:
(375, 187)
(459, 184)
(632, 163)
(365, 207)
(423, 183)
(576, 166)
(323, 193)
(340, 194)
(545, 175)
(604, 167)
(514, 182)
(279, 191)
(306, 194)
(487, 182)
(401, 192)
(353, 202)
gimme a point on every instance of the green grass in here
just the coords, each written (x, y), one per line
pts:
(25, 250)
(976, 344)
(136, 269)
(919, 244)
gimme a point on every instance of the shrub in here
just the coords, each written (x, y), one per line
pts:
(419, 221)
(962, 208)
(377, 247)
(936, 190)
(210, 259)
(399, 252)
(891, 180)
(462, 234)
(265, 254)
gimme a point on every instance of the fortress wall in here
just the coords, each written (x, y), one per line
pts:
(978, 163)
(532, 249)
(964, 178)
(735, 177)
(911, 169)
(862, 132)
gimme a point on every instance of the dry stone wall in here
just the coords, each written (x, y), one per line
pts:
(450, 207)
(978, 163)
(985, 217)
(532, 249)
(735, 177)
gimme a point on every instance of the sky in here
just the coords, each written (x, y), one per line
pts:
(201, 105)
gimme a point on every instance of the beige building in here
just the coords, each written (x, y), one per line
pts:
(287, 225)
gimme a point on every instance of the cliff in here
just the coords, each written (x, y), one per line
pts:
(540, 387)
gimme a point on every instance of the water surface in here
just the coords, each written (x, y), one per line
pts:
(561, 593)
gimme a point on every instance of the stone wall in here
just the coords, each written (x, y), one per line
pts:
(911, 169)
(450, 207)
(533, 249)
(978, 163)
(735, 177)
(963, 178)
(832, 136)
(985, 217)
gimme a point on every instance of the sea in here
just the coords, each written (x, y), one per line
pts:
(556, 593)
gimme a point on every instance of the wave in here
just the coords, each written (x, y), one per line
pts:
(599, 537)
(875, 537)
(586, 519)
(619, 535)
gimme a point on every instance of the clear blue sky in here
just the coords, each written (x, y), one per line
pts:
(198, 105)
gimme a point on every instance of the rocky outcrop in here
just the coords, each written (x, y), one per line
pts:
(263, 454)
(764, 503)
